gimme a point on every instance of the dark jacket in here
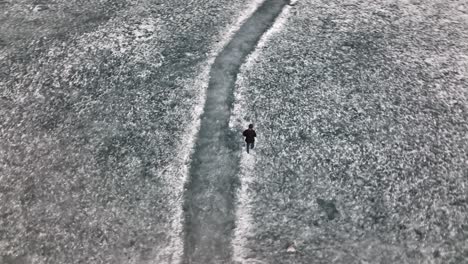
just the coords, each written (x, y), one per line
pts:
(249, 135)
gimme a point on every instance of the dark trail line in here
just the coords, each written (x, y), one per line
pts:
(209, 199)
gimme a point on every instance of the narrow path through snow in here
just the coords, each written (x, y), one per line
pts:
(209, 201)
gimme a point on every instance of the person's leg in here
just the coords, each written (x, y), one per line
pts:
(247, 144)
(252, 145)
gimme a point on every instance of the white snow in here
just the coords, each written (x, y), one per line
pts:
(277, 26)
(243, 214)
(293, 2)
(180, 169)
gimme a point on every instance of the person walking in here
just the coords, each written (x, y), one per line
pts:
(249, 135)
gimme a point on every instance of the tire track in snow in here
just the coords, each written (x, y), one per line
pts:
(209, 198)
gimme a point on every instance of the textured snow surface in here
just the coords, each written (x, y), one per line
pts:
(210, 195)
(243, 230)
(361, 109)
(97, 118)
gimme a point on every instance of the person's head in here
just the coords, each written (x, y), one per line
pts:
(251, 126)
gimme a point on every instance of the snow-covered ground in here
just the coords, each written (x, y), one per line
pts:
(361, 112)
(243, 229)
(360, 109)
(99, 107)
(210, 195)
